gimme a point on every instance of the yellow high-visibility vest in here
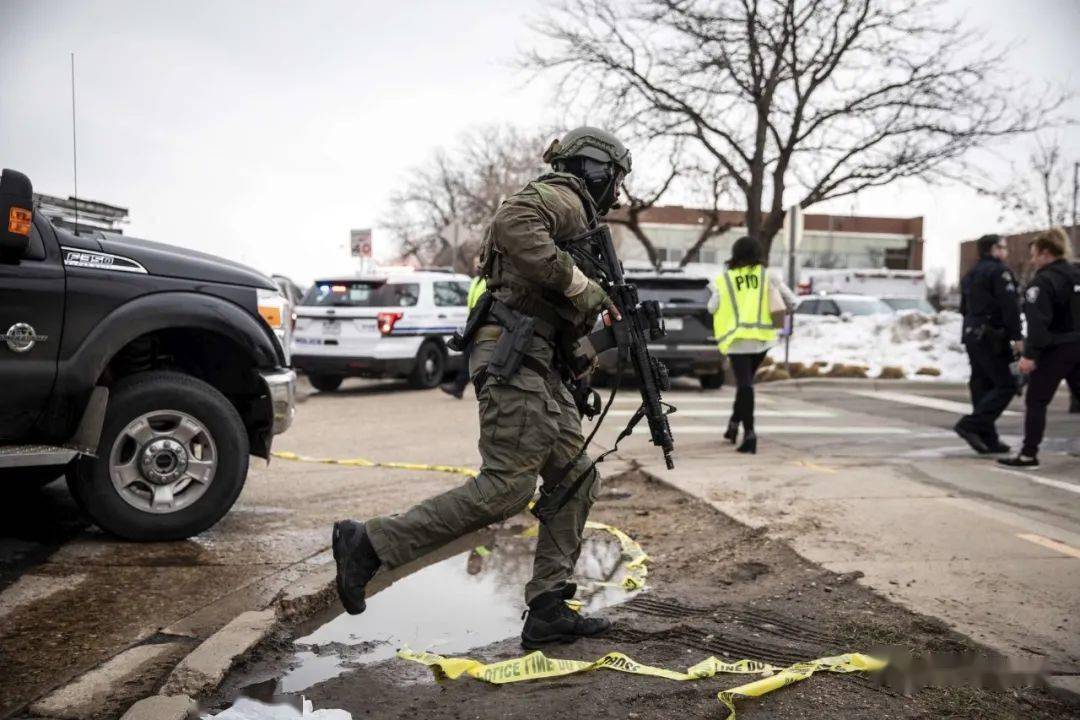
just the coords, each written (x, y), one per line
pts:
(743, 312)
(476, 289)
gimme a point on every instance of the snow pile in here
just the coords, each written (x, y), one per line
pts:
(909, 340)
(250, 709)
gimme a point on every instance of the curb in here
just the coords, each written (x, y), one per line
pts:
(202, 670)
(205, 666)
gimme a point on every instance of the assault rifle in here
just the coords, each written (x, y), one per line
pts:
(594, 253)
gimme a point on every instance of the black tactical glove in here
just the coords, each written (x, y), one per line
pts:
(592, 300)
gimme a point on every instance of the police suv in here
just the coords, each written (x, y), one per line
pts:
(392, 323)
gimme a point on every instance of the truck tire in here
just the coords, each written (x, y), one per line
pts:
(712, 382)
(325, 383)
(430, 366)
(172, 459)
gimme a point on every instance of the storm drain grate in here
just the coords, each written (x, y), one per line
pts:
(754, 619)
(719, 643)
(659, 607)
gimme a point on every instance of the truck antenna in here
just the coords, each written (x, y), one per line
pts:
(74, 146)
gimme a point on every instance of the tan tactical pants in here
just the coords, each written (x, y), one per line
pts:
(527, 428)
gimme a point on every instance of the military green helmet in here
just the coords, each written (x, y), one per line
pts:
(592, 143)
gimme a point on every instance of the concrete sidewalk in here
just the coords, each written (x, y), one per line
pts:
(948, 537)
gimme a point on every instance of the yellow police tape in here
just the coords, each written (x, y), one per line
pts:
(364, 462)
(536, 666)
(635, 558)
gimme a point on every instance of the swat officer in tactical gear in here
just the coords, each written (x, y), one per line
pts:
(991, 333)
(529, 422)
(1052, 348)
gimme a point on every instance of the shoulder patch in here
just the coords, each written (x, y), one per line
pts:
(1032, 294)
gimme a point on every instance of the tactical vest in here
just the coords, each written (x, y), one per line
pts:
(525, 296)
(743, 312)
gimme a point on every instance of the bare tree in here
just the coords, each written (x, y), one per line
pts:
(711, 185)
(1040, 194)
(820, 98)
(439, 215)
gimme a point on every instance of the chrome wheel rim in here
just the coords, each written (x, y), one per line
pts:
(163, 461)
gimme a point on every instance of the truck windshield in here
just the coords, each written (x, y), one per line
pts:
(671, 291)
(362, 293)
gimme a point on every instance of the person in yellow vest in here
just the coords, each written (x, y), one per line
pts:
(747, 306)
(456, 387)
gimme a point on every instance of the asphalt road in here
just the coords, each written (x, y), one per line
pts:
(857, 475)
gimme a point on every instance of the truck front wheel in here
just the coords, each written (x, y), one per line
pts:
(172, 459)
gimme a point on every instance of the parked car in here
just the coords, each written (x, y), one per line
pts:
(145, 373)
(689, 348)
(910, 303)
(842, 305)
(874, 282)
(390, 324)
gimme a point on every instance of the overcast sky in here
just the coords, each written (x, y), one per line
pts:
(264, 131)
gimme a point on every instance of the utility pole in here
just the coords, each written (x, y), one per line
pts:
(1074, 232)
(794, 232)
(74, 146)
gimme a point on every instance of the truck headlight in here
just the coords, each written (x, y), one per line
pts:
(276, 312)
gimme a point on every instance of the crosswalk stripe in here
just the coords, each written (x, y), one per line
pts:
(678, 429)
(1050, 482)
(921, 401)
(631, 397)
(694, 412)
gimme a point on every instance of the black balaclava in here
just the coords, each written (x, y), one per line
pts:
(601, 179)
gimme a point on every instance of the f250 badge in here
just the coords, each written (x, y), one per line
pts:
(73, 257)
(21, 337)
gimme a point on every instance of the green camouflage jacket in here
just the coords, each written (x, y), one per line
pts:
(526, 270)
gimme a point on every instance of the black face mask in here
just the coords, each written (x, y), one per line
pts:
(601, 179)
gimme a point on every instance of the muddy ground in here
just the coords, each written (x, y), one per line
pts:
(715, 588)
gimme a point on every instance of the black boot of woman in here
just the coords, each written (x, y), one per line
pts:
(732, 432)
(744, 400)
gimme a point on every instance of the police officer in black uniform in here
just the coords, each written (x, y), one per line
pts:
(1052, 349)
(991, 334)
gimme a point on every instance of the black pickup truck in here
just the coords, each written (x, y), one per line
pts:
(144, 373)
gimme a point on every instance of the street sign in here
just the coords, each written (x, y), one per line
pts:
(360, 243)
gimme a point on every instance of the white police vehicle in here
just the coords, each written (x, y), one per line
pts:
(392, 323)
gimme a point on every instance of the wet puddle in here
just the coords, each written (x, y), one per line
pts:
(469, 595)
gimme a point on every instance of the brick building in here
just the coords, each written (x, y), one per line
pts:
(828, 241)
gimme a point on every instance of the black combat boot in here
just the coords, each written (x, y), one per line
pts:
(972, 438)
(453, 388)
(551, 621)
(356, 563)
(995, 446)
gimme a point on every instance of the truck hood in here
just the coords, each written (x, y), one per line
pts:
(177, 262)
